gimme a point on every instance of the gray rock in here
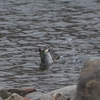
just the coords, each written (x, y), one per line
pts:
(4, 94)
(1, 98)
(15, 96)
(60, 94)
(34, 95)
(88, 87)
(71, 95)
(65, 92)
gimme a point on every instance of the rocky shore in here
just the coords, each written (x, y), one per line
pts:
(66, 93)
(87, 88)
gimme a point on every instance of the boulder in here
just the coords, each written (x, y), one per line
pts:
(88, 87)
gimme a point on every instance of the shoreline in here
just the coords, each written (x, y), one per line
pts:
(63, 93)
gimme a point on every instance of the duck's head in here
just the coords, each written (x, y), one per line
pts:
(45, 55)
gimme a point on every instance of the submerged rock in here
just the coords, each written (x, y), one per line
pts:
(88, 87)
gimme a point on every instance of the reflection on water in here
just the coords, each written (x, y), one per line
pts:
(70, 28)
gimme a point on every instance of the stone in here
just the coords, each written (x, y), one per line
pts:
(1, 98)
(26, 98)
(21, 91)
(71, 95)
(33, 95)
(15, 96)
(88, 87)
(4, 94)
(59, 94)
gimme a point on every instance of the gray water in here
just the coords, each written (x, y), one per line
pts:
(71, 28)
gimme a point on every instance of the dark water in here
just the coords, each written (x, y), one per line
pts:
(71, 28)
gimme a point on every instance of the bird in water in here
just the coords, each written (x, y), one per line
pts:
(45, 56)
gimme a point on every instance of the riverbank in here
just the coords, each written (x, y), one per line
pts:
(31, 94)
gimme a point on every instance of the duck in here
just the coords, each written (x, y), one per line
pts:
(46, 58)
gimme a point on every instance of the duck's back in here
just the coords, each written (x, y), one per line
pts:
(47, 58)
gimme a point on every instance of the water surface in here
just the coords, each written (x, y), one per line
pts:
(70, 28)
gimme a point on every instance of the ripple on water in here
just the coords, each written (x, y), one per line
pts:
(69, 27)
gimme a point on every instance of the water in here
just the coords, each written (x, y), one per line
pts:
(70, 28)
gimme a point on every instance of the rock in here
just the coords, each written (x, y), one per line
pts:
(1, 98)
(62, 94)
(26, 99)
(15, 96)
(71, 95)
(58, 96)
(4, 94)
(21, 91)
(88, 87)
(33, 95)
(66, 92)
